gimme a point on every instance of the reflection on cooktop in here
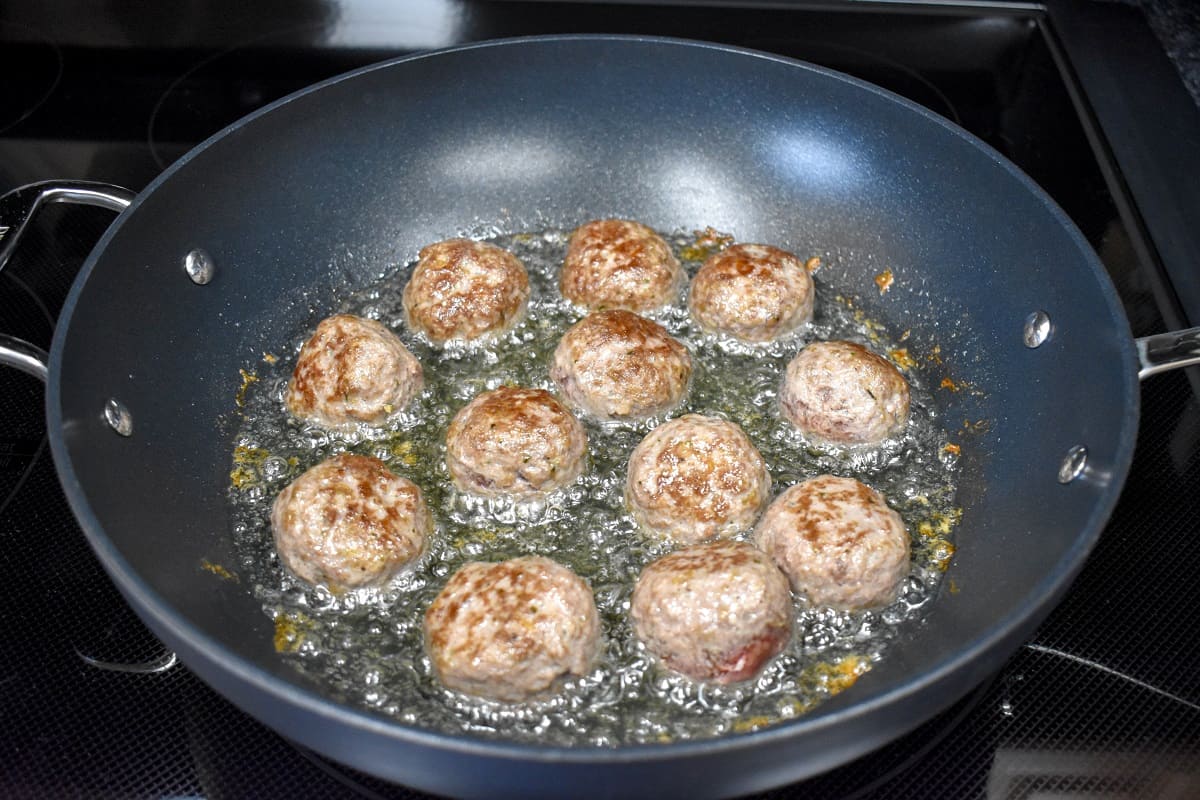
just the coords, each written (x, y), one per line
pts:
(40, 67)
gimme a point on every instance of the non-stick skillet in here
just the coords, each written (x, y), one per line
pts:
(253, 235)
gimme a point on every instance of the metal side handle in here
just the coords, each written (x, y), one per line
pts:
(20, 205)
(1166, 351)
(20, 354)
(17, 209)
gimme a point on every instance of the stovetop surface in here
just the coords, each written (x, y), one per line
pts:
(1103, 701)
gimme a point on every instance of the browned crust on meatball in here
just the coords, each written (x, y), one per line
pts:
(617, 263)
(838, 541)
(513, 630)
(616, 365)
(696, 477)
(351, 370)
(714, 612)
(463, 289)
(515, 441)
(753, 292)
(841, 392)
(349, 522)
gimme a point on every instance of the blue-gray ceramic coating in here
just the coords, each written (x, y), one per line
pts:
(323, 191)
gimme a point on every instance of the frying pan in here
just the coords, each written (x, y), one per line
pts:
(251, 237)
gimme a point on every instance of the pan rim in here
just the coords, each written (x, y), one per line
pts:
(165, 617)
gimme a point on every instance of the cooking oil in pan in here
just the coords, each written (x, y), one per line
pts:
(366, 646)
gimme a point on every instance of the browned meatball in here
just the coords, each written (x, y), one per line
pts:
(462, 289)
(838, 541)
(715, 612)
(617, 263)
(843, 393)
(696, 477)
(616, 365)
(511, 631)
(515, 441)
(352, 370)
(753, 292)
(349, 522)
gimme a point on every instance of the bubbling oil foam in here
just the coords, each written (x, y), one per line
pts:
(366, 646)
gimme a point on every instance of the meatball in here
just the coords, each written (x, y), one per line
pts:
(715, 612)
(841, 392)
(838, 541)
(617, 263)
(510, 631)
(349, 522)
(515, 441)
(696, 477)
(616, 365)
(753, 292)
(352, 370)
(462, 289)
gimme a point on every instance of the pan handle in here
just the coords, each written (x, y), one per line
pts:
(20, 354)
(1166, 351)
(17, 208)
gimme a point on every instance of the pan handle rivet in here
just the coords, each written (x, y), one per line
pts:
(1037, 329)
(199, 266)
(1073, 465)
(118, 417)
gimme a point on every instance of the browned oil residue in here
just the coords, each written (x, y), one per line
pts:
(708, 241)
(841, 675)
(902, 359)
(943, 552)
(218, 570)
(250, 455)
(833, 677)
(937, 530)
(243, 477)
(247, 379)
(246, 461)
(978, 426)
(747, 724)
(290, 629)
(884, 281)
(940, 524)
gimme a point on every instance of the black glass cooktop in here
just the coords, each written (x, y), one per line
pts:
(1103, 702)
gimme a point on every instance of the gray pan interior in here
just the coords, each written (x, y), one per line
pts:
(327, 189)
